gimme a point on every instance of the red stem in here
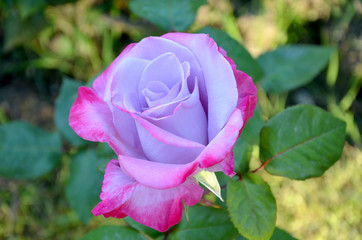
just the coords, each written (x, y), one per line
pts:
(262, 166)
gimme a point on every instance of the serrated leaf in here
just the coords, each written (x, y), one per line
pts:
(170, 15)
(242, 58)
(63, 103)
(290, 67)
(301, 142)
(26, 151)
(84, 183)
(205, 223)
(112, 233)
(209, 180)
(252, 207)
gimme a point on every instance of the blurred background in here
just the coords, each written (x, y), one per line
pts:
(44, 42)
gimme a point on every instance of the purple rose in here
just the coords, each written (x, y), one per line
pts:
(169, 107)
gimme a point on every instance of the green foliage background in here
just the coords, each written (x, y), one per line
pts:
(45, 43)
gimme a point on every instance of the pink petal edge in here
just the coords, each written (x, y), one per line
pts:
(157, 175)
(158, 209)
(92, 120)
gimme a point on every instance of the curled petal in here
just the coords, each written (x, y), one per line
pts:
(226, 166)
(247, 94)
(102, 83)
(91, 118)
(219, 81)
(158, 209)
(219, 148)
(164, 136)
(188, 120)
(157, 175)
(246, 90)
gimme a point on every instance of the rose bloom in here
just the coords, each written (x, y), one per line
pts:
(169, 107)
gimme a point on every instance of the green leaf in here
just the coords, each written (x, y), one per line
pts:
(209, 180)
(301, 142)
(205, 223)
(104, 154)
(252, 207)
(84, 183)
(292, 66)
(242, 58)
(113, 233)
(251, 131)
(280, 234)
(65, 100)
(242, 155)
(26, 151)
(170, 15)
(142, 228)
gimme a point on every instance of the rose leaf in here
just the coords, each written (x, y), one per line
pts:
(113, 232)
(27, 152)
(170, 15)
(289, 67)
(252, 207)
(66, 98)
(301, 142)
(205, 223)
(84, 183)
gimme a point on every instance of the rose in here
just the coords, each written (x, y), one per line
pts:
(169, 107)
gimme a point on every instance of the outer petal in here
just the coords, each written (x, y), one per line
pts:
(157, 175)
(226, 166)
(247, 92)
(101, 85)
(158, 209)
(91, 118)
(219, 148)
(219, 81)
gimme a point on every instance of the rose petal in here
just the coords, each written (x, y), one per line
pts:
(162, 146)
(247, 94)
(169, 103)
(187, 121)
(157, 94)
(166, 68)
(247, 91)
(226, 166)
(218, 76)
(165, 136)
(152, 47)
(124, 86)
(100, 84)
(157, 175)
(158, 209)
(219, 148)
(91, 118)
(126, 129)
